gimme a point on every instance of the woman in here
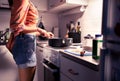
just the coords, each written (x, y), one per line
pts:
(24, 17)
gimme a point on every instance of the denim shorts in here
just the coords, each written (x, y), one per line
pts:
(24, 50)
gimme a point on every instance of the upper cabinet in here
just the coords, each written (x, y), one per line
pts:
(4, 4)
(41, 5)
(57, 6)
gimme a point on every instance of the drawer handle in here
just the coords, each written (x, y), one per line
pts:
(72, 72)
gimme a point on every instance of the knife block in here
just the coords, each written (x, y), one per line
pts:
(76, 36)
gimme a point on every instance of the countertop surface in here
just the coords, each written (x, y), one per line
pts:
(84, 60)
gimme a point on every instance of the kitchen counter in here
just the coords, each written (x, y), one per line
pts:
(84, 60)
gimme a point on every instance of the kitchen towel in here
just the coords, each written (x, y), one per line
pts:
(77, 52)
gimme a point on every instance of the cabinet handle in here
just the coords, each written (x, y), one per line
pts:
(72, 72)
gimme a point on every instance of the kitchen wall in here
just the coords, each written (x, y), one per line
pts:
(4, 18)
(49, 20)
(90, 19)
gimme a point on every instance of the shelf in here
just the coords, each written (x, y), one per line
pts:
(66, 5)
(73, 11)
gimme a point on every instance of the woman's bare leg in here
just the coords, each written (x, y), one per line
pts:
(26, 74)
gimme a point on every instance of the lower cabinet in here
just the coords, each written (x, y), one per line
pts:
(64, 77)
(73, 71)
(40, 67)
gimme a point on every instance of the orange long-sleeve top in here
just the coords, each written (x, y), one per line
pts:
(23, 14)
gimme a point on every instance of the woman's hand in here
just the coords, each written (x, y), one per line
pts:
(44, 33)
(51, 35)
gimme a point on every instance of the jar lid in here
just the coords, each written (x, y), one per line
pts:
(88, 37)
(98, 35)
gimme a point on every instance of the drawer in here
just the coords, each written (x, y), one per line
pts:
(77, 72)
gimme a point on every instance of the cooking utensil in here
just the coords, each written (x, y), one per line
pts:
(60, 42)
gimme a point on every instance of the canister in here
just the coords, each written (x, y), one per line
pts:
(97, 45)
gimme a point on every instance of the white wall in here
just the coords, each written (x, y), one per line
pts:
(90, 20)
(4, 18)
(49, 20)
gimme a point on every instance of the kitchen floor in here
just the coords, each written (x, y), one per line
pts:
(8, 68)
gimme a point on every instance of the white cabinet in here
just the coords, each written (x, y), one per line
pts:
(57, 6)
(40, 67)
(4, 4)
(74, 71)
(64, 78)
(41, 5)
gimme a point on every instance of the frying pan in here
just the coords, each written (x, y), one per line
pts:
(60, 42)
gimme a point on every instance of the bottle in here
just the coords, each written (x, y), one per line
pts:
(97, 45)
(72, 26)
(7, 35)
(1, 37)
(78, 27)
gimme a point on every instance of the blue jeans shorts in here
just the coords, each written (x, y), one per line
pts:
(24, 50)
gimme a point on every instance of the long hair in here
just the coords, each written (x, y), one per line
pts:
(10, 2)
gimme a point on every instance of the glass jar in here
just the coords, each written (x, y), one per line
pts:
(87, 42)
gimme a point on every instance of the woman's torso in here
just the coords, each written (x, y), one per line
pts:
(25, 14)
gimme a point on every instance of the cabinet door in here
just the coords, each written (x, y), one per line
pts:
(64, 78)
(40, 67)
(57, 6)
(77, 72)
(4, 3)
(41, 5)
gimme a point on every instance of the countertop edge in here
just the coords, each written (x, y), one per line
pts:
(80, 61)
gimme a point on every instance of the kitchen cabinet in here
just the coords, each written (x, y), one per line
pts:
(40, 67)
(57, 6)
(64, 78)
(4, 4)
(41, 5)
(74, 71)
